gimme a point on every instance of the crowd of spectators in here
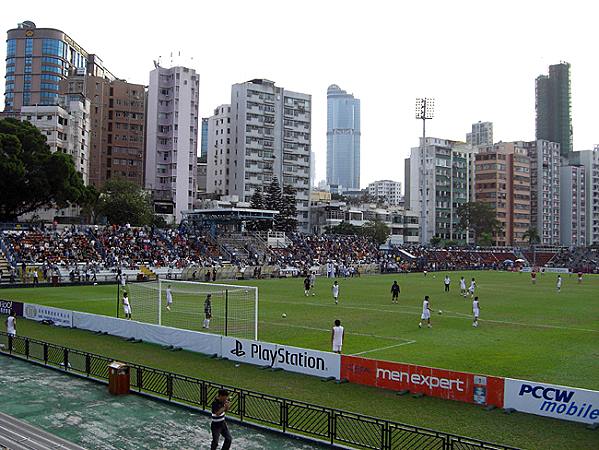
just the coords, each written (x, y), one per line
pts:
(85, 251)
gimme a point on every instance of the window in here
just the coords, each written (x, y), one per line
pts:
(46, 68)
(11, 47)
(48, 77)
(54, 47)
(28, 46)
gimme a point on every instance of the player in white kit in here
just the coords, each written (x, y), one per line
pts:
(558, 284)
(126, 306)
(472, 288)
(169, 297)
(335, 291)
(11, 324)
(337, 336)
(463, 287)
(475, 311)
(426, 313)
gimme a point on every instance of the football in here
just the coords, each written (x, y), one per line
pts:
(313, 294)
(283, 315)
(440, 312)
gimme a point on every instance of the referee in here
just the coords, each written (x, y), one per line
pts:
(220, 405)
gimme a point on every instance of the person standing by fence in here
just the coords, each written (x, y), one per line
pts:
(218, 427)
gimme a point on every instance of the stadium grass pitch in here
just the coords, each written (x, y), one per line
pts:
(526, 331)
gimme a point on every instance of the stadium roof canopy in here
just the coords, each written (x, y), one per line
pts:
(228, 215)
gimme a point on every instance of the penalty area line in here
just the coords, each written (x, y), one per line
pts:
(382, 348)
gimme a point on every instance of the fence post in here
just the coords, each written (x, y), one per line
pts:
(139, 379)
(45, 353)
(10, 339)
(284, 415)
(332, 425)
(87, 364)
(241, 403)
(65, 358)
(27, 348)
(203, 394)
(169, 386)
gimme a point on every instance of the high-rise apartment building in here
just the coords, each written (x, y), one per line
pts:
(343, 139)
(447, 185)
(545, 162)
(37, 59)
(387, 190)
(172, 140)
(482, 134)
(589, 160)
(503, 181)
(220, 174)
(553, 107)
(66, 127)
(117, 117)
(204, 138)
(270, 137)
(573, 201)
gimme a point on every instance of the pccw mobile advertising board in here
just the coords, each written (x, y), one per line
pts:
(447, 384)
(277, 356)
(551, 400)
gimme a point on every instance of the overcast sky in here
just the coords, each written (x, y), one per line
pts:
(479, 59)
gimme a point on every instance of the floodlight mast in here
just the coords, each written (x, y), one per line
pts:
(425, 110)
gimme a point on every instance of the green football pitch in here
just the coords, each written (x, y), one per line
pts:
(526, 331)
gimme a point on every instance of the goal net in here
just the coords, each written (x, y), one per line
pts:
(233, 309)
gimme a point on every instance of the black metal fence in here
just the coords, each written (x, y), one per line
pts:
(293, 417)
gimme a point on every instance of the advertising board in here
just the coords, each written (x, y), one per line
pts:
(447, 384)
(60, 317)
(292, 359)
(551, 400)
(6, 306)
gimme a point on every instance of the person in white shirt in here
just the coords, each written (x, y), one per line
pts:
(447, 282)
(558, 285)
(11, 324)
(475, 311)
(169, 297)
(335, 290)
(463, 287)
(426, 312)
(337, 336)
(472, 288)
(126, 306)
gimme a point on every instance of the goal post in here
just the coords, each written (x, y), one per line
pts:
(233, 308)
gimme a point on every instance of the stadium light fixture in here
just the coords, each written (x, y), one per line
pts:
(425, 110)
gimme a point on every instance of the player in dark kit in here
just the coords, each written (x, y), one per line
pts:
(395, 292)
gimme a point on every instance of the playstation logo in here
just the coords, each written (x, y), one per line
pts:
(238, 350)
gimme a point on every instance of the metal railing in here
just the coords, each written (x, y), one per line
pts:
(300, 419)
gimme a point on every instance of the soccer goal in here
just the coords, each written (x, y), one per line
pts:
(233, 308)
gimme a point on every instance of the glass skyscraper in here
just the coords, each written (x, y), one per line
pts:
(554, 116)
(343, 138)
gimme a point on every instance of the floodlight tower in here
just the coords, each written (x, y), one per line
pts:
(425, 110)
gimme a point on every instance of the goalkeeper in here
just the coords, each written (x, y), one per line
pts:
(207, 311)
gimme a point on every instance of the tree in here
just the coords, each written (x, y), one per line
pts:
(532, 235)
(288, 215)
(31, 176)
(257, 202)
(273, 199)
(479, 217)
(345, 228)
(378, 231)
(90, 204)
(435, 241)
(122, 202)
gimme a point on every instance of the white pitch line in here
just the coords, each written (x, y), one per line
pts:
(460, 316)
(383, 348)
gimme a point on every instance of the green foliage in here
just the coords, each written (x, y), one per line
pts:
(345, 228)
(479, 217)
(31, 176)
(532, 235)
(376, 230)
(257, 202)
(288, 215)
(435, 241)
(122, 202)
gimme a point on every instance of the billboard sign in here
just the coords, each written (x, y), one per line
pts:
(551, 400)
(59, 317)
(447, 384)
(6, 306)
